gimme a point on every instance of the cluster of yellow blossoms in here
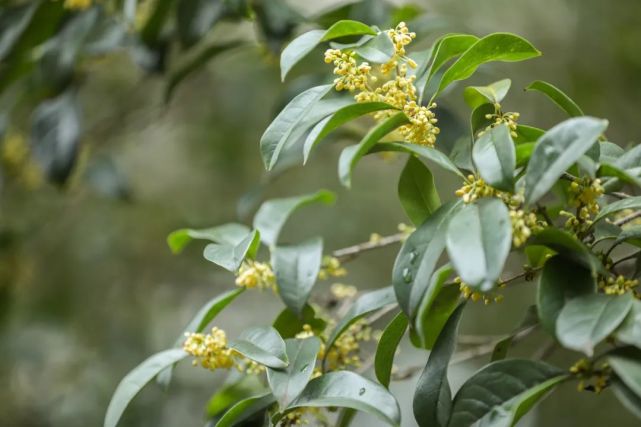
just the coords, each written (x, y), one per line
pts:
(591, 378)
(212, 352)
(471, 294)
(15, 157)
(523, 223)
(345, 352)
(254, 274)
(397, 90)
(619, 285)
(341, 291)
(584, 194)
(331, 267)
(498, 117)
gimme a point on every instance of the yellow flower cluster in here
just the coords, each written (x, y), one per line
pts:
(77, 4)
(471, 294)
(509, 119)
(350, 75)
(254, 274)
(591, 378)
(331, 267)
(584, 194)
(619, 285)
(15, 156)
(475, 189)
(210, 350)
(345, 352)
(401, 36)
(397, 90)
(341, 291)
(301, 416)
(523, 225)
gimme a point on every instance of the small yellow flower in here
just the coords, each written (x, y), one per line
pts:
(254, 274)
(341, 291)
(331, 267)
(618, 286)
(210, 350)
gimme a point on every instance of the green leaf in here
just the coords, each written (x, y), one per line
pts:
(557, 96)
(478, 241)
(305, 43)
(492, 93)
(231, 234)
(152, 29)
(503, 47)
(626, 363)
(508, 414)
(340, 117)
(417, 191)
(55, 135)
(501, 348)
(569, 247)
(586, 320)
(194, 63)
(287, 384)
(557, 150)
(346, 28)
(296, 268)
(523, 153)
(446, 48)
(349, 390)
(262, 345)
(230, 257)
(273, 214)
(425, 152)
(351, 155)
(194, 18)
(245, 409)
(479, 120)
(298, 49)
(14, 21)
(619, 205)
(279, 131)
(135, 380)
(561, 281)
(610, 170)
(433, 396)
(630, 159)
(417, 259)
(386, 349)
(480, 394)
(377, 50)
(526, 133)
(288, 323)
(631, 235)
(230, 394)
(627, 397)
(364, 304)
(199, 322)
(437, 305)
(630, 330)
(495, 158)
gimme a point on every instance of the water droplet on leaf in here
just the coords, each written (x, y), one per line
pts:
(361, 391)
(407, 275)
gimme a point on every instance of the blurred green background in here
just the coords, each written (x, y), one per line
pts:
(88, 287)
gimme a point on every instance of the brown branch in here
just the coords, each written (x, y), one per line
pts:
(351, 252)
(626, 219)
(466, 355)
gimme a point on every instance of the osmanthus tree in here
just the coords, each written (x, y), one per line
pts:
(561, 199)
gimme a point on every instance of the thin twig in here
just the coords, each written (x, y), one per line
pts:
(351, 252)
(465, 355)
(626, 219)
(620, 195)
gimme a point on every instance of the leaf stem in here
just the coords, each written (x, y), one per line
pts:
(351, 252)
